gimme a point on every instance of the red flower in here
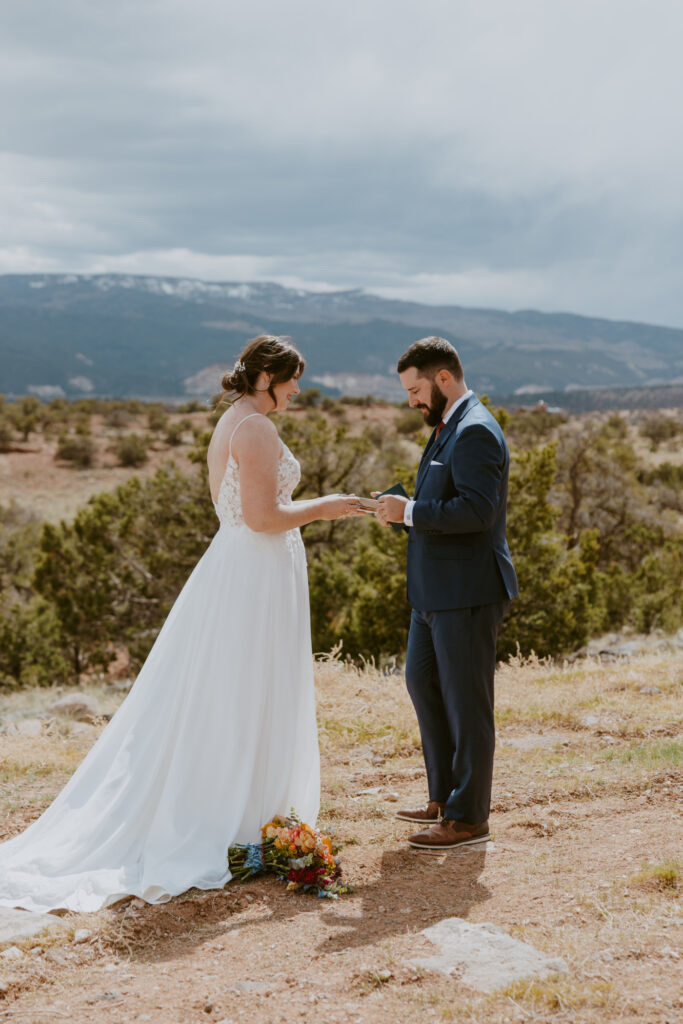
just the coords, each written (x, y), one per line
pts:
(305, 876)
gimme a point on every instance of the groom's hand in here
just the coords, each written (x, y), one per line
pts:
(390, 509)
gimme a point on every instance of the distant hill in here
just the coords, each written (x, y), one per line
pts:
(125, 335)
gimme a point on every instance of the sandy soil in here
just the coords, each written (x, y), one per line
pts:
(587, 828)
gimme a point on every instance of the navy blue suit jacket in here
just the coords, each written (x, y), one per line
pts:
(458, 556)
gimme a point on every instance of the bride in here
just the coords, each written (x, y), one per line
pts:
(218, 734)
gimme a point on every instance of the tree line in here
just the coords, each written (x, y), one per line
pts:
(593, 529)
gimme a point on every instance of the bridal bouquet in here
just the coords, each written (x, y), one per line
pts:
(296, 853)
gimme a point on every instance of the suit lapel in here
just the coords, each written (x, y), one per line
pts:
(424, 461)
(432, 449)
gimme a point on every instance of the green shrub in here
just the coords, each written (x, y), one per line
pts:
(26, 414)
(131, 450)
(31, 645)
(362, 400)
(555, 610)
(112, 574)
(668, 473)
(409, 422)
(6, 433)
(332, 406)
(157, 417)
(175, 432)
(78, 449)
(308, 399)
(530, 427)
(174, 435)
(659, 427)
(117, 416)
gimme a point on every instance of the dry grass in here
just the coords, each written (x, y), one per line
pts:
(565, 996)
(660, 877)
(584, 866)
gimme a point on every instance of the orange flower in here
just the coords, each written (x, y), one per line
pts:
(276, 823)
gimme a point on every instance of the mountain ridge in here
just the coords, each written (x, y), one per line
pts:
(123, 334)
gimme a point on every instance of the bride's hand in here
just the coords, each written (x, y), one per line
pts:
(339, 506)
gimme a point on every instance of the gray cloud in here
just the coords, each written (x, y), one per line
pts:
(482, 154)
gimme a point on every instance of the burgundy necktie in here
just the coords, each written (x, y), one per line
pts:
(439, 428)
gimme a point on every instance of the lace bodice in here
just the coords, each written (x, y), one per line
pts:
(229, 504)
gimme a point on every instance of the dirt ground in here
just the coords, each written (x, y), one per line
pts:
(587, 828)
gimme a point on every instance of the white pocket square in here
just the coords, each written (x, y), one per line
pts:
(435, 463)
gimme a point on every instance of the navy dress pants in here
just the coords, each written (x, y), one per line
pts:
(450, 664)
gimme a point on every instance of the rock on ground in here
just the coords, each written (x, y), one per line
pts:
(13, 953)
(260, 987)
(81, 729)
(31, 727)
(80, 706)
(22, 924)
(483, 956)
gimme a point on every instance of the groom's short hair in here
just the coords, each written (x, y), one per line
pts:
(429, 355)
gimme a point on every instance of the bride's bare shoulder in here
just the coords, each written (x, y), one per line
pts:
(251, 432)
(236, 430)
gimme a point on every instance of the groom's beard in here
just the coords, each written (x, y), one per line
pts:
(433, 412)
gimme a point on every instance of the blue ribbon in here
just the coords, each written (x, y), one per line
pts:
(254, 858)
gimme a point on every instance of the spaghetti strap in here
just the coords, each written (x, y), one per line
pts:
(244, 418)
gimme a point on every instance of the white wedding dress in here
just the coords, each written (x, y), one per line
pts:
(216, 736)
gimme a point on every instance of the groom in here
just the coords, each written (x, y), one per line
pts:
(460, 583)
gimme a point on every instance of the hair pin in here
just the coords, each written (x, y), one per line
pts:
(239, 367)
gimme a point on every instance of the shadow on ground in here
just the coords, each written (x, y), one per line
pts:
(411, 892)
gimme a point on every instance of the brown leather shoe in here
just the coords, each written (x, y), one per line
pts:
(430, 814)
(448, 834)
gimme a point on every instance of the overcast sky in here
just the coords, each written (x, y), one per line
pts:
(505, 153)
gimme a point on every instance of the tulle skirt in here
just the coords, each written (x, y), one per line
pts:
(216, 736)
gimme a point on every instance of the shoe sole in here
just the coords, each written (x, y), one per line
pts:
(419, 821)
(450, 846)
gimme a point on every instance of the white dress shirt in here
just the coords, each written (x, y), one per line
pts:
(408, 511)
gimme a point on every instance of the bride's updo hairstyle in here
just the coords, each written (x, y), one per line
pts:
(277, 356)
